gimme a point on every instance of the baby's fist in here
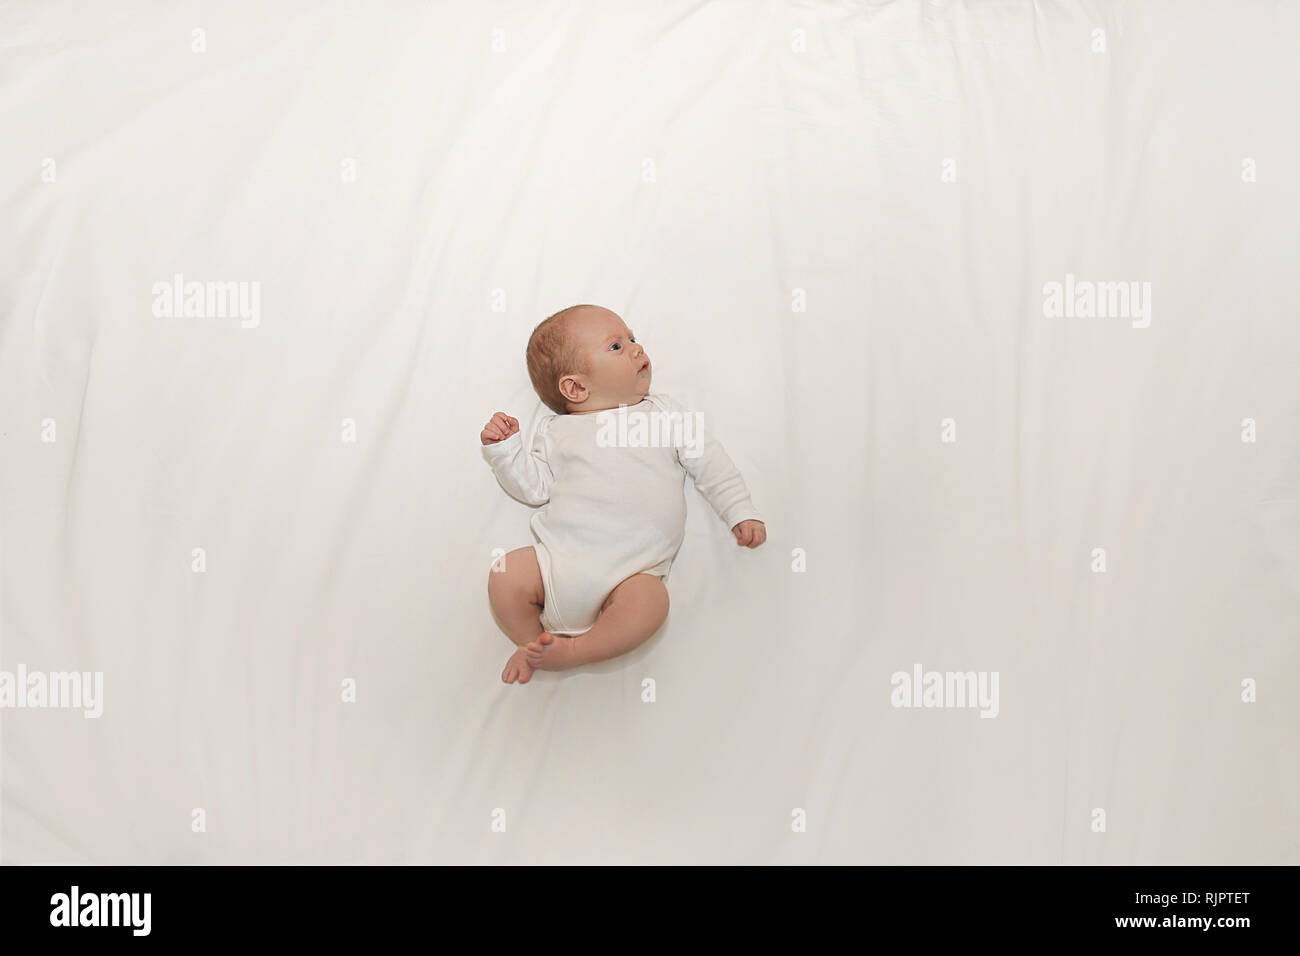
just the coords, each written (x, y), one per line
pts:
(750, 533)
(500, 428)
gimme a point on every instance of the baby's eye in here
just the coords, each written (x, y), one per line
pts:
(615, 345)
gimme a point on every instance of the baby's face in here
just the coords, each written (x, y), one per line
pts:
(618, 368)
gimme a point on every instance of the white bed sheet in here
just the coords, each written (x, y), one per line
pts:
(412, 190)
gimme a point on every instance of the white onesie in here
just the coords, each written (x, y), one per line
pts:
(614, 488)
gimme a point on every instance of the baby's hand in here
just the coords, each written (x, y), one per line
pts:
(500, 428)
(750, 533)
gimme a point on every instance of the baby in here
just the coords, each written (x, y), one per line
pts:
(592, 587)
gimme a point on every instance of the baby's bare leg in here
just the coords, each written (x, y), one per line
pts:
(633, 611)
(516, 596)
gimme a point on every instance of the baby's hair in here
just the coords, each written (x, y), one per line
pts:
(551, 354)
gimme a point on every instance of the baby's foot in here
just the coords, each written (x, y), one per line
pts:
(550, 653)
(517, 668)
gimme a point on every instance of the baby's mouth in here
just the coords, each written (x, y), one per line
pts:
(644, 365)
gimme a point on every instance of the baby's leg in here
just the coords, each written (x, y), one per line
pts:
(633, 611)
(517, 596)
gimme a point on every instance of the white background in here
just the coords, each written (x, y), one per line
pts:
(689, 166)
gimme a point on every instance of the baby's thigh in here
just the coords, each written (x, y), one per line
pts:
(640, 590)
(519, 575)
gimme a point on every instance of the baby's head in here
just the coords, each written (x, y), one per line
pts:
(584, 359)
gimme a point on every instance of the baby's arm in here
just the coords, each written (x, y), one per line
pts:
(524, 473)
(720, 482)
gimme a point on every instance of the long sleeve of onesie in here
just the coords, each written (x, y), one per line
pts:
(715, 475)
(524, 473)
